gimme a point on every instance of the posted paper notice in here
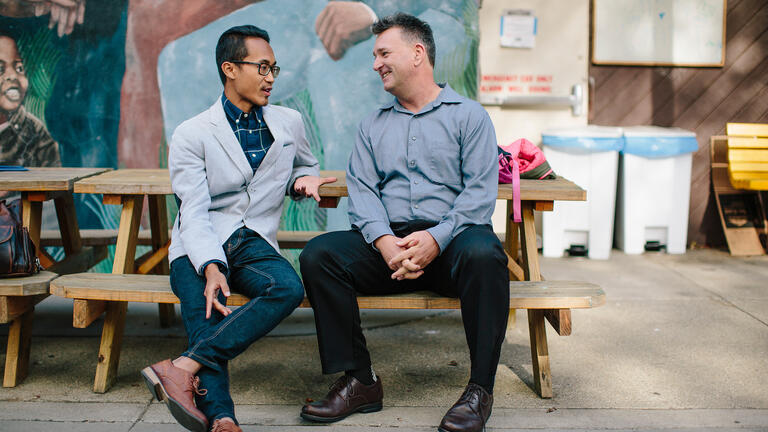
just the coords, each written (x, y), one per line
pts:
(518, 28)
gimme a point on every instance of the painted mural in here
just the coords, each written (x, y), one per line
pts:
(104, 83)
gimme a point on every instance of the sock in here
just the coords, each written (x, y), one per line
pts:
(364, 375)
(488, 388)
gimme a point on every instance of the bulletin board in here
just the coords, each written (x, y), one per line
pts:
(659, 32)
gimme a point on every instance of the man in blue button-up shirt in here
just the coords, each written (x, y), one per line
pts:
(422, 180)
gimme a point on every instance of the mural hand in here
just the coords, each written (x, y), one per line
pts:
(342, 24)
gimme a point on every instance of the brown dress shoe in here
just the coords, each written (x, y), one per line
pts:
(178, 388)
(225, 426)
(470, 412)
(347, 396)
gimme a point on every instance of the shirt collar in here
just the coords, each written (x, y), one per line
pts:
(233, 112)
(446, 95)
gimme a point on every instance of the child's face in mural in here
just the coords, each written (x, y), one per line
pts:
(249, 84)
(13, 79)
(393, 57)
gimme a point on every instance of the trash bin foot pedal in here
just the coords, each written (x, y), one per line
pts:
(577, 250)
(654, 246)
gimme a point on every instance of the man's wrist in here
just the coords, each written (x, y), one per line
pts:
(212, 267)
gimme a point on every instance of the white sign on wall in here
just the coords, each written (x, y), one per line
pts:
(659, 32)
(518, 28)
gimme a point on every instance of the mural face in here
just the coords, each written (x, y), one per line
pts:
(13, 79)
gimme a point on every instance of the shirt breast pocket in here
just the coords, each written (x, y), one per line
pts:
(444, 163)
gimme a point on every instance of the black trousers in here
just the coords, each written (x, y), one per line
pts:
(339, 265)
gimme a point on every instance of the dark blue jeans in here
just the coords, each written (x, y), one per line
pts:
(257, 271)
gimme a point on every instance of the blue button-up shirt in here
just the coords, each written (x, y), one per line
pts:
(251, 131)
(437, 165)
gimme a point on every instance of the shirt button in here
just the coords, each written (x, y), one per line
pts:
(412, 163)
(416, 206)
(413, 138)
(415, 182)
(245, 115)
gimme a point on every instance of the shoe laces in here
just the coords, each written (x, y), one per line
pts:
(343, 381)
(473, 392)
(222, 426)
(194, 382)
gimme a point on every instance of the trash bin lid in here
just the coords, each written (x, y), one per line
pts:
(656, 141)
(591, 138)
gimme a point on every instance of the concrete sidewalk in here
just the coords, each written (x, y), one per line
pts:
(682, 344)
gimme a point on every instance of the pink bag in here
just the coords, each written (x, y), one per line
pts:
(521, 159)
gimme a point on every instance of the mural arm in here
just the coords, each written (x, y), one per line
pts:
(343, 24)
(63, 13)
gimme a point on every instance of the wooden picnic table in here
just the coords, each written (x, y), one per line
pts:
(19, 295)
(128, 187)
(42, 184)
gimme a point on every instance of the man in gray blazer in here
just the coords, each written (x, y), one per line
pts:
(231, 166)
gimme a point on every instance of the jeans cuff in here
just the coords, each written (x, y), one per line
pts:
(203, 361)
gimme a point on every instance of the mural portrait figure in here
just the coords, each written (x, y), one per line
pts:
(24, 140)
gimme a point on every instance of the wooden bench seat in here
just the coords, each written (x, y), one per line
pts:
(18, 297)
(546, 299)
(748, 155)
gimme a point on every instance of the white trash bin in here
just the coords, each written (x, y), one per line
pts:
(588, 156)
(654, 189)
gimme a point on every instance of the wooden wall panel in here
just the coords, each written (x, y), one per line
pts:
(697, 99)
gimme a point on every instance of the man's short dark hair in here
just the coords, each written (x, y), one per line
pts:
(412, 27)
(231, 45)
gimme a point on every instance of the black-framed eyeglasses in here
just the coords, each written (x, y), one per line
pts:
(264, 68)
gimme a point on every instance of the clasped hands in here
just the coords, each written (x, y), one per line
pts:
(408, 256)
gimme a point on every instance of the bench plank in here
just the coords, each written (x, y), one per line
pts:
(26, 285)
(156, 289)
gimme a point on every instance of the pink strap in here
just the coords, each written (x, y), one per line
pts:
(516, 191)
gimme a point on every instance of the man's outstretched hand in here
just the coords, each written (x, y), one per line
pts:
(310, 185)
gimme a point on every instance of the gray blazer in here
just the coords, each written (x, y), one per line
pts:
(218, 189)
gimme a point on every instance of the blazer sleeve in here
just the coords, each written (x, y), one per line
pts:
(304, 163)
(186, 163)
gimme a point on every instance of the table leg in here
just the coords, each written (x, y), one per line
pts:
(536, 321)
(530, 254)
(158, 224)
(31, 218)
(114, 322)
(68, 226)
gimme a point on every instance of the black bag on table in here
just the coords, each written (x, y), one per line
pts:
(17, 252)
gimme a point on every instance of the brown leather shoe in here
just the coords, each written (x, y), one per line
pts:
(347, 396)
(225, 426)
(178, 388)
(470, 412)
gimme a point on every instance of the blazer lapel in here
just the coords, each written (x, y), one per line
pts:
(275, 125)
(223, 133)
